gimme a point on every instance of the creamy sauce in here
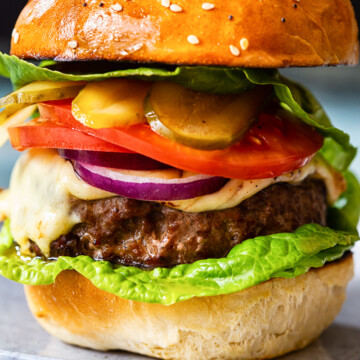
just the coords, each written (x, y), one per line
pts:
(43, 186)
(236, 191)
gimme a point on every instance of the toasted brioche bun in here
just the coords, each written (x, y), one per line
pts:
(264, 321)
(278, 33)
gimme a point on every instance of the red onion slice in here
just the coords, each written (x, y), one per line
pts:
(113, 160)
(148, 188)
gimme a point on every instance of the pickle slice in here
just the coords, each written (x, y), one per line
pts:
(199, 120)
(13, 115)
(111, 103)
(40, 91)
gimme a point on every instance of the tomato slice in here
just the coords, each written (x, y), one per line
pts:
(42, 133)
(274, 146)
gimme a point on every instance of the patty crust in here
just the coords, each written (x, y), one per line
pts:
(147, 234)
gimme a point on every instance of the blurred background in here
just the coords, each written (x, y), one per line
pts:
(338, 89)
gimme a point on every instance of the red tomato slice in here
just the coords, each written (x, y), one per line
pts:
(42, 133)
(271, 148)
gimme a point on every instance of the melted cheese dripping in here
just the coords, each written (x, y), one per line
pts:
(43, 187)
(39, 200)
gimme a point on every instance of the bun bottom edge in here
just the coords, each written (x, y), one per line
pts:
(262, 322)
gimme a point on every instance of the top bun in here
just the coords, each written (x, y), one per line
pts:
(247, 33)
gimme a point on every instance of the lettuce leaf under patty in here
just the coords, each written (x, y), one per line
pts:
(212, 79)
(249, 263)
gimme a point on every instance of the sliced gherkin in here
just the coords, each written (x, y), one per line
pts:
(40, 91)
(199, 120)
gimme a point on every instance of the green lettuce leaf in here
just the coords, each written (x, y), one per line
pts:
(249, 263)
(338, 156)
(316, 261)
(344, 215)
(337, 149)
(199, 78)
(6, 241)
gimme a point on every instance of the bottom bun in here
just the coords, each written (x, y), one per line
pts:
(264, 321)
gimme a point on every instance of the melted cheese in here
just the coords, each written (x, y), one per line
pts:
(4, 204)
(43, 187)
(39, 199)
(236, 191)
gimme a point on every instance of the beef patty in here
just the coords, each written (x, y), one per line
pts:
(147, 234)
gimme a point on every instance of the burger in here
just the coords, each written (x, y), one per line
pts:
(177, 196)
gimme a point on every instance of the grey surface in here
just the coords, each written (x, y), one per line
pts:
(21, 338)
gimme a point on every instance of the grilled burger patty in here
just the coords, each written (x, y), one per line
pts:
(147, 234)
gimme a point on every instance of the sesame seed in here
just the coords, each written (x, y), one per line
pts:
(136, 47)
(283, 19)
(234, 50)
(84, 4)
(192, 39)
(230, 17)
(73, 44)
(175, 8)
(165, 3)
(244, 43)
(117, 7)
(123, 53)
(15, 36)
(294, 6)
(101, 4)
(207, 6)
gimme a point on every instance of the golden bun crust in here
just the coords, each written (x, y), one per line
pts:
(264, 321)
(279, 33)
